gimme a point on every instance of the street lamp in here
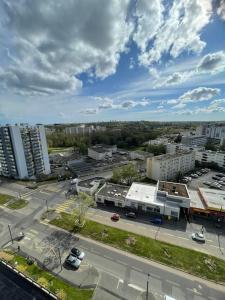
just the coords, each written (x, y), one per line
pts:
(46, 202)
(60, 259)
(147, 287)
(10, 233)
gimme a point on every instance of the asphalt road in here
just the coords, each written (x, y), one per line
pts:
(123, 276)
(13, 286)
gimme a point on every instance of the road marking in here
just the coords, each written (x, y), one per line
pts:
(195, 291)
(136, 287)
(34, 231)
(137, 269)
(179, 237)
(172, 282)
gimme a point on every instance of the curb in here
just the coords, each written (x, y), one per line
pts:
(135, 256)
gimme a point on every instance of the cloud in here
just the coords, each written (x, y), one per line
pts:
(199, 94)
(172, 101)
(106, 103)
(179, 105)
(89, 111)
(212, 63)
(221, 9)
(179, 32)
(55, 41)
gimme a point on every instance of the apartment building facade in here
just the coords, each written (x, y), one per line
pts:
(194, 140)
(23, 151)
(167, 166)
(208, 156)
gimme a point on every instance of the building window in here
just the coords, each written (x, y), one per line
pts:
(149, 208)
(174, 213)
(119, 204)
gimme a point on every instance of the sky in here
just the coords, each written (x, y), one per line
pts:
(95, 60)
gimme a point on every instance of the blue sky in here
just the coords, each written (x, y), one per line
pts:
(96, 60)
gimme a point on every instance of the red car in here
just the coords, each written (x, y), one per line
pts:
(115, 217)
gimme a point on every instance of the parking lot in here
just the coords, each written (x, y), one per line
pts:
(199, 182)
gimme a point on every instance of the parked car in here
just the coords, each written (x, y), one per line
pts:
(156, 220)
(76, 252)
(166, 297)
(199, 237)
(115, 217)
(195, 175)
(73, 261)
(215, 178)
(199, 173)
(131, 215)
(207, 183)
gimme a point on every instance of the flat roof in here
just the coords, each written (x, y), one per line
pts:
(141, 192)
(196, 201)
(215, 199)
(172, 155)
(115, 191)
(173, 188)
(145, 153)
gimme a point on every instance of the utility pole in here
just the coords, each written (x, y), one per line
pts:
(147, 287)
(10, 233)
(60, 259)
(46, 201)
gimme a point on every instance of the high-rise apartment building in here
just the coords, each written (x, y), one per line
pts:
(23, 151)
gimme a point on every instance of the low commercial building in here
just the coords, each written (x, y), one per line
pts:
(101, 152)
(194, 140)
(208, 202)
(88, 186)
(207, 156)
(166, 198)
(112, 194)
(167, 166)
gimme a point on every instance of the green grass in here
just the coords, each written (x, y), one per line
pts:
(17, 204)
(4, 199)
(191, 261)
(55, 283)
(59, 149)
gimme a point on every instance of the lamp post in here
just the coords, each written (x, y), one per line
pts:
(10, 233)
(147, 287)
(46, 202)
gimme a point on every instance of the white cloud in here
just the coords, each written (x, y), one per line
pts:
(180, 31)
(56, 40)
(89, 111)
(199, 94)
(212, 63)
(221, 9)
(179, 105)
(172, 101)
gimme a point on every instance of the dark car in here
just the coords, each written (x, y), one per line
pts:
(131, 215)
(76, 252)
(156, 220)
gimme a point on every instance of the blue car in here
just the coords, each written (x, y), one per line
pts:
(156, 220)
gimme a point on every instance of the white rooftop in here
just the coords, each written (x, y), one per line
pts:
(215, 199)
(141, 192)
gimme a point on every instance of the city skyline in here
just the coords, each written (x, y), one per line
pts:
(95, 61)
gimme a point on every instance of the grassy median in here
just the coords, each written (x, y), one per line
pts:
(4, 199)
(191, 261)
(57, 286)
(17, 204)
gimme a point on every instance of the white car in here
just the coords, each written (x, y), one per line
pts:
(168, 298)
(198, 236)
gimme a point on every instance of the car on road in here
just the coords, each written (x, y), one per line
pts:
(115, 217)
(73, 261)
(198, 236)
(156, 220)
(76, 252)
(131, 215)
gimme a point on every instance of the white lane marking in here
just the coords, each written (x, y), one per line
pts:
(136, 287)
(195, 291)
(119, 281)
(179, 237)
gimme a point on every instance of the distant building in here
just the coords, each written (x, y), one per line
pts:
(142, 155)
(167, 166)
(101, 152)
(194, 140)
(158, 141)
(176, 148)
(215, 131)
(207, 156)
(166, 198)
(23, 151)
(83, 129)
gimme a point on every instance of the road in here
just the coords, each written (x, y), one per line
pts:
(122, 275)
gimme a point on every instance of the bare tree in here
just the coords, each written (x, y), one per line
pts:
(83, 201)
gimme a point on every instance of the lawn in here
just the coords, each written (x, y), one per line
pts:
(57, 286)
(4, 198)
(17, 204)
(191, 261)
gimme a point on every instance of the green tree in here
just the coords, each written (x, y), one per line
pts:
(210, 146)
(83, 201)
(156, 149)
(178, 176)
(125, 175)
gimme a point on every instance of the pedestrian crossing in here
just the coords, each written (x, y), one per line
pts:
(65, 206)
